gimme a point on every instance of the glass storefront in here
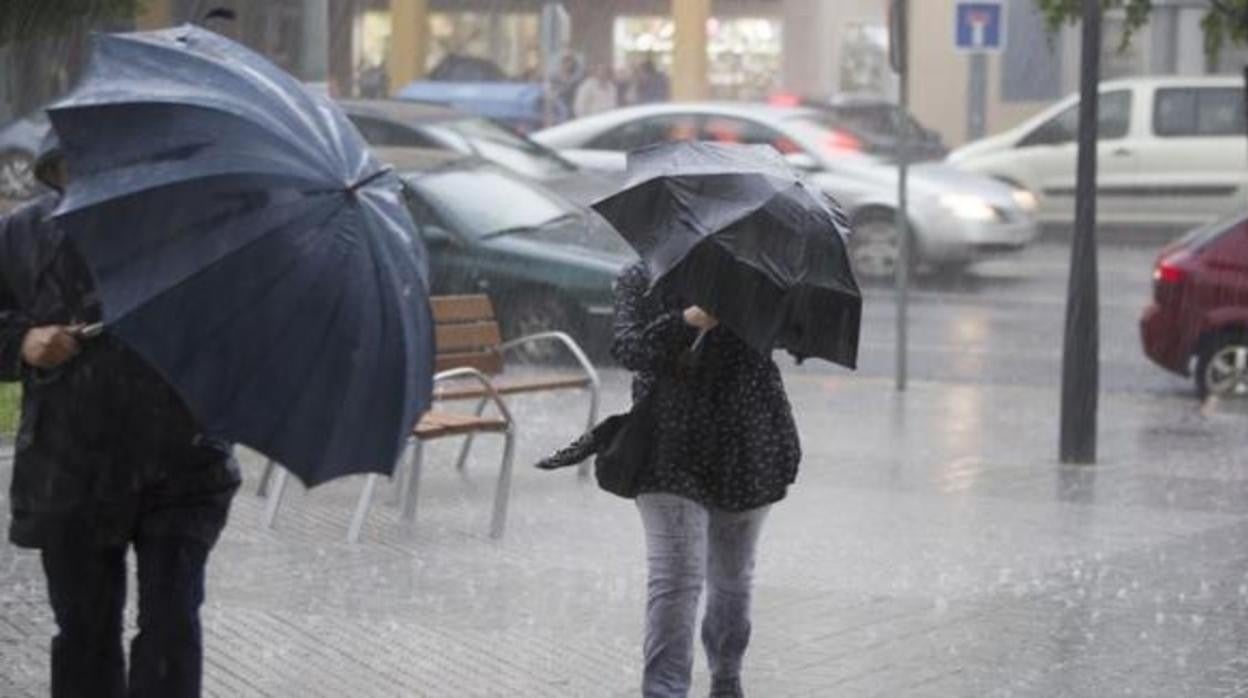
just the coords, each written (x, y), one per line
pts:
(744, 52)
(507, 39)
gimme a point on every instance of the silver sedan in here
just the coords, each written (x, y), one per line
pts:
(956, 217)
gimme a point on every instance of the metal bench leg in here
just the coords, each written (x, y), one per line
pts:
(412, 492)
(583, 470)
(273, 499)
(361, 509)
(502, 491)
(401, 475)
(263, 488)
(463, 450)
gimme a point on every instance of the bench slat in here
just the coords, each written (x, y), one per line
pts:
(487, 362)
(469, 308)
(437, 424)
(512, 386)
(467, 335)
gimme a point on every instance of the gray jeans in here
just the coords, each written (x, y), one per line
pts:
(687, 545)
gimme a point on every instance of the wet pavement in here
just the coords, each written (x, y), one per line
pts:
(932, 546)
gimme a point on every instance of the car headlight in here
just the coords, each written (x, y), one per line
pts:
(1025, 200)
(970, 208)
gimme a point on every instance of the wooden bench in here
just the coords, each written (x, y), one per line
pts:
(469, 364)
(468, 335)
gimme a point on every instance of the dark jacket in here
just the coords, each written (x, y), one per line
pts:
(103, 439)
(726, 435)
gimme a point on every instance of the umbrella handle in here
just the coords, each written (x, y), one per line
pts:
(697, 343)
(90, 331)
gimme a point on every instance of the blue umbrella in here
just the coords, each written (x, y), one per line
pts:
(247, 245)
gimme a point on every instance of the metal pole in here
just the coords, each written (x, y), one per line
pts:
(977, 96)
(902, 36)
(1081, 351)
(314, 68)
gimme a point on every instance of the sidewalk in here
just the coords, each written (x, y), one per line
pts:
(931, 547)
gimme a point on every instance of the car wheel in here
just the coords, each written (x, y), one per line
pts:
(1222, 367)
(875, 247)
(533, 312)
(17, 175)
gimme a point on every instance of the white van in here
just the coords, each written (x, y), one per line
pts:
(1173, 152)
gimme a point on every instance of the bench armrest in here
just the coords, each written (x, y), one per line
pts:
(560, 338)
(467, 372)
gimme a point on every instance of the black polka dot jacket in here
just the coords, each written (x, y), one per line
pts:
(726, 436)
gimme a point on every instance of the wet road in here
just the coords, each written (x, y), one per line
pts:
(1002, 322)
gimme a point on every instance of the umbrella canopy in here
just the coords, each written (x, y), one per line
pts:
(735, 230)
(245, 243)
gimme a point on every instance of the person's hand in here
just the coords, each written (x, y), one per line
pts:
(50, 346)
(700, 319)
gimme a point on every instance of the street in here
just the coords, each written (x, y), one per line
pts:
(932, 545)
(1002, 323)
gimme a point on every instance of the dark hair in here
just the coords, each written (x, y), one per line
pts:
(224, 13)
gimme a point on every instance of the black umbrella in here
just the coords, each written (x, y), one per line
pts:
(735, 230)
(245, 242)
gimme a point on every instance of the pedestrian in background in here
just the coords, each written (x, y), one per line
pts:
(725, 448)
(107, 457)
(597, 93)
(651, 84)
(567, 78)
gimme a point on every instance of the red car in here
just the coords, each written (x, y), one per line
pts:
(1199, 312)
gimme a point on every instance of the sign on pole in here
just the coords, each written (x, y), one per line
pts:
(980, 26)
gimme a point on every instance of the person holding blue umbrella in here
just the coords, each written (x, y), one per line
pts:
(227, 264)
(107, 457)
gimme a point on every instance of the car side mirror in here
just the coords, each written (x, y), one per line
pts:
(802, 161)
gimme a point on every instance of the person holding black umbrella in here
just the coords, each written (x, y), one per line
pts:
(725, 448)
(107, 458)
(739, 257)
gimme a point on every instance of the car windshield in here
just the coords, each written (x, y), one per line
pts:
(586, 231)
(497, 144)
(461, 197)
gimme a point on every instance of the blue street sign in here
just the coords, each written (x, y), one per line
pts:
(980, 26)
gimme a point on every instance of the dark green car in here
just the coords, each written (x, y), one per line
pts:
(547, 263)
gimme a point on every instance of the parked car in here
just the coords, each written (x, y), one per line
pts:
(546, 263)
(882, 123)
(876, 124)
(1173, 152)
(956, 217)
(478, 86)
(1197, 323)
(415, 125)
(19, 142)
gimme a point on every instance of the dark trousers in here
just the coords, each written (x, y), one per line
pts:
(87, 589)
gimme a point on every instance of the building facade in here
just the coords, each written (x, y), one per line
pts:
(730, 49)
